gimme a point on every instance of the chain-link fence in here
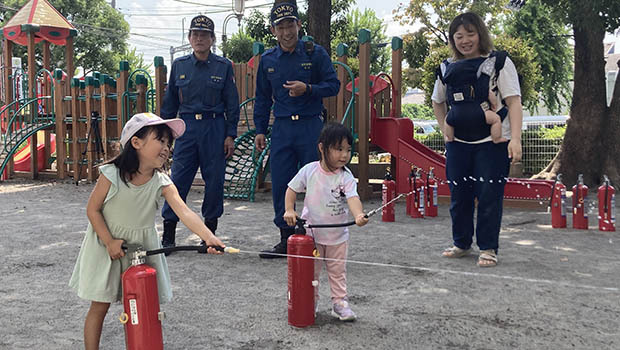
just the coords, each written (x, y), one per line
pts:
(540, 139)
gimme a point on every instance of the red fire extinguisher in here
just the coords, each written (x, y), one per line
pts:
(431, 194)
(558, 203)
(301, 282)
(580, 213)
(141, 316)
(417, 211)
(606, 206)
(410, 198)
(388, 192)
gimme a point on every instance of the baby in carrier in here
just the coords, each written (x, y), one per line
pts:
(472, 114)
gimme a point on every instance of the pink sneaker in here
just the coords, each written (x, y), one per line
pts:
(342, 311)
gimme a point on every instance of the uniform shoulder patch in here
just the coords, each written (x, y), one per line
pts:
(269, 51)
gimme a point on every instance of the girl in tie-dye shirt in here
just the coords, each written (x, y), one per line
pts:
(331, 191)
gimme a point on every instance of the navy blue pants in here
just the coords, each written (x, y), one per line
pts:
(293, 145)
(202, 145)
(476, 171)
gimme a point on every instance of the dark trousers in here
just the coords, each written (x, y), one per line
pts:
(202, 145)
(476, 171)
(293, 145)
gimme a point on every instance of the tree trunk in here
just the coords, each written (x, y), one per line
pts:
(582, 151)
(611, 137)
(319, 22)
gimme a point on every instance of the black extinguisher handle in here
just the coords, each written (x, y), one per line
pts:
(302, 223)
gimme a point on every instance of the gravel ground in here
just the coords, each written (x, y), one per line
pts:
(553, 288)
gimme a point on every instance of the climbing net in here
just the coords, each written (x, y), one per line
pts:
(244, 167)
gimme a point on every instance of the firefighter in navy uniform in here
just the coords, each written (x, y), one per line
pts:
(202, 90)
(294, 76)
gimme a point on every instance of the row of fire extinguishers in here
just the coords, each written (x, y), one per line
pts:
(606, 205)
(421, 200)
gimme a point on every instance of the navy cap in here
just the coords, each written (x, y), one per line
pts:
(283, 11)
(202, 22)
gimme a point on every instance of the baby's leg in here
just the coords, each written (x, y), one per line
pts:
(94, 324)
(495, 121)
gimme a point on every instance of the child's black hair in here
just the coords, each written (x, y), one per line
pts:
(332, 135)
(127, 161)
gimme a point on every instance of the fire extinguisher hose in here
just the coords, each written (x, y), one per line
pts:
(198, 248)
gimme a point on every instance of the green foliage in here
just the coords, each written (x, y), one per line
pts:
(417, 111)
(415, 50)
(257, 27)
(379, 56)
(549, 40)
(434, 59)
(102, 33)
(239, 47)
(436, 15)
(585, 13)
(524, 59)
(556, 132)
(136, 60)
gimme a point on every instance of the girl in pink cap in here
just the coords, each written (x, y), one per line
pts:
(121, 210)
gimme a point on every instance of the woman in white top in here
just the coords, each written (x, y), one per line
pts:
(476, 167)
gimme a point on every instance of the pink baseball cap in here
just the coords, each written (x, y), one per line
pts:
(138, 121)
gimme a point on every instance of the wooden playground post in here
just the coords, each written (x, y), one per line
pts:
(32, 93)
(47, 91)
(90, 157)
(75, 128)
(69, 61)
(342, 53)
(8, 89)
(397, 79)
(397, 74)
(141, 89)
(122, 101)
(61, 126)
(160, 81)
(364, 117)
(105, 112)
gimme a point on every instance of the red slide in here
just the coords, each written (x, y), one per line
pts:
(395, 135)
(22, 158)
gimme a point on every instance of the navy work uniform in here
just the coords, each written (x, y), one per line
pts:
(298, 120)
(204, 95)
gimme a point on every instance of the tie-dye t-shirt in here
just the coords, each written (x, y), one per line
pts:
(326, 200)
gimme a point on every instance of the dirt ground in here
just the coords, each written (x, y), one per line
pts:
(553, 288)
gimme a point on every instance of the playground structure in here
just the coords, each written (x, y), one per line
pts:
(87, 117)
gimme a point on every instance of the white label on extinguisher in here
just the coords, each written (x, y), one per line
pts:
(563, 202)
(133, 311)
(612, 210)
(422, 197)
(434, 195)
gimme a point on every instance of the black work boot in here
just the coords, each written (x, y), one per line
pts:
(167, 239)
(211, 225)
(279, 250)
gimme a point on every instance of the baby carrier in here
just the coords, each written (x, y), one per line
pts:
(467, 86)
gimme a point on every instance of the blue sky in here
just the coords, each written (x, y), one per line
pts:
(157, 24)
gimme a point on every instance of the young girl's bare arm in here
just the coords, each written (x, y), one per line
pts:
(95, 216)
(290, 216)
(355, 205)
(189, 218)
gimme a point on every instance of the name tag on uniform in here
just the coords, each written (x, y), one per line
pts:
(458, 96)
(182, 76)
(270, 70)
